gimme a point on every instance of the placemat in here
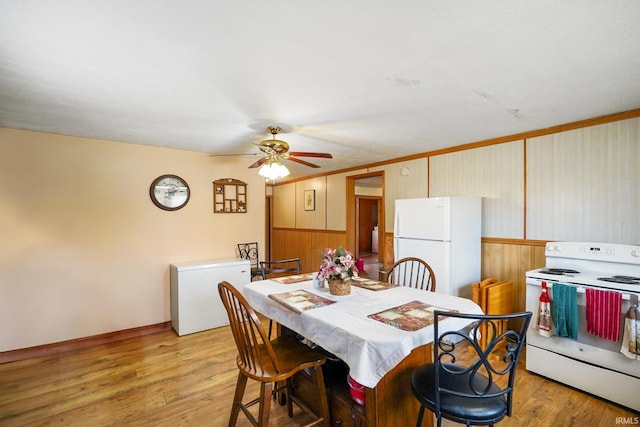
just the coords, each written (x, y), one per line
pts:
(411, 316)
(372, 285)
(293, 279)
(300, 300)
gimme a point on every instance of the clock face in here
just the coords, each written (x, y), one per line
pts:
(169, 192)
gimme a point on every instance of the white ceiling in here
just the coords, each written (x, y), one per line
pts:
(366, 80)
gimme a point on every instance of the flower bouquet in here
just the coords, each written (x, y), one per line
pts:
(337, 268)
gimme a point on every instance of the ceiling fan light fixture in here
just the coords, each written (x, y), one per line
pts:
(273, 169)
(274, 151)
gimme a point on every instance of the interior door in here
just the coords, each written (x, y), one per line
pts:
(367, 220)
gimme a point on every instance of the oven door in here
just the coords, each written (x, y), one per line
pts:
(587, 348)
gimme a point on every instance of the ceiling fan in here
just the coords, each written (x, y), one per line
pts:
(274, 151)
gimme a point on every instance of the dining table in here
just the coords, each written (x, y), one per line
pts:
(381, 331)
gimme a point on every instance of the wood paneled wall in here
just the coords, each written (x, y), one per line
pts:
(305, 244)
(501, 259)
(510, 260)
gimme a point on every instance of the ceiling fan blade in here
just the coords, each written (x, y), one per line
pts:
(303, 154)
(234, 155)
(258, 163)
(302, 162)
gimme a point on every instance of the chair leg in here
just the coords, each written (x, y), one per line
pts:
(420, 415)
(237, 399)
(265, 404)
(280, 396)
(287, 397)
(270, 327)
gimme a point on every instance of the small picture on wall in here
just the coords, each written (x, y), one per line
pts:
(309, 200)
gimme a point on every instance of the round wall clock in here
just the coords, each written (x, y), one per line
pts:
(169, 192)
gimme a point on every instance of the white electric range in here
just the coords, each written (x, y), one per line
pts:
(590, 363)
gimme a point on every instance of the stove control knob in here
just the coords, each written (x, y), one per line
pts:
(635, 253)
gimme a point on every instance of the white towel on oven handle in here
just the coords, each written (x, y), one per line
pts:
(631, 333)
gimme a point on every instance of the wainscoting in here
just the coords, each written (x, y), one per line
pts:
(509, 260)
(308, 245)
(503, 259)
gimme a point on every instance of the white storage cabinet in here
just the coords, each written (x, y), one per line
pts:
(195, 302)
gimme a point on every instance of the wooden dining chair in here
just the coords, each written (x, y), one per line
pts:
(269, 362)
(412, 272)
(277, 268)
(470, 382)
(250, 251)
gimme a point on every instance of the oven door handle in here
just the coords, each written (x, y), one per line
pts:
(581, 289)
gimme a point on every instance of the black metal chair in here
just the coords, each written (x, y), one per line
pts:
(468, 383)
(250, 251)
(412, 272)
(269, 362)
(278, 268)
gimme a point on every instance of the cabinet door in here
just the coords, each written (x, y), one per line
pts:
(341, 410)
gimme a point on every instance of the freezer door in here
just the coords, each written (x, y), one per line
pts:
(195, 302)
(436, 254)
(423, 218)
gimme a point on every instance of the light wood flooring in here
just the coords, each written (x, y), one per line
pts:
(371, 265)
(166, 380)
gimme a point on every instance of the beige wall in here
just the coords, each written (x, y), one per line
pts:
(587, 180)
(403, 180)
(368, 191)
(84, 250)
(578, 184)
(311, 217)
(284, 208)
(337, 200)
(495, 173)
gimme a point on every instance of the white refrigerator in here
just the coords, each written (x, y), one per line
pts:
(444, 232)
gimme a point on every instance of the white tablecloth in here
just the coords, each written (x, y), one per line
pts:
(369, 347)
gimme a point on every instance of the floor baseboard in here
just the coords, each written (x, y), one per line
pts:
(60, 347)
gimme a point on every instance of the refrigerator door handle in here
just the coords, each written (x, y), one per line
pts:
(396, 223)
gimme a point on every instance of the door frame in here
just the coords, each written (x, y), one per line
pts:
(268, 226)
(352, 219)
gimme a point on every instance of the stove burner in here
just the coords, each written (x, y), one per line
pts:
(558, 271)
(627, 277)
(627, 280)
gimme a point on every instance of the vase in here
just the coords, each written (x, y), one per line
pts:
(339, 287)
